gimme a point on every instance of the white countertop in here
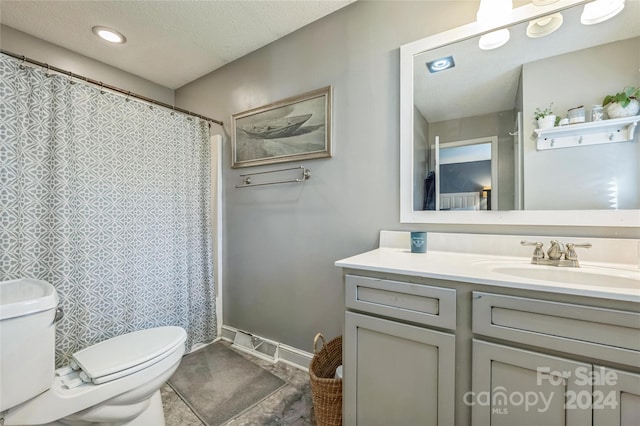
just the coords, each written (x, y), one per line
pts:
(475, 268)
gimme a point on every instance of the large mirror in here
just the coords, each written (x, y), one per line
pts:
(470, 151)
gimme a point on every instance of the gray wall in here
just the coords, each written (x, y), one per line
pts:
(465, 177)
(23, 44)
(281, 242)
(580, 177)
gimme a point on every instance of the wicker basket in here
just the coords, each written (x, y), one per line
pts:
(325, 389)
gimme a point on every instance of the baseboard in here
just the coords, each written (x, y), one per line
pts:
(295, 357)
(266, 349)
(198, 346)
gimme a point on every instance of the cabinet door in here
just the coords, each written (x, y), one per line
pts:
(517, 387)
(616, 397)
(397, 374)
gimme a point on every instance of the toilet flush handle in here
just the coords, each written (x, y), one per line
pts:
(59, 315)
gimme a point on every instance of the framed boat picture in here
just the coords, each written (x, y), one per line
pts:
(293, 129)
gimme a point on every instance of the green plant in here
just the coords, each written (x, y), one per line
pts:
(541, 113)
(623, 98)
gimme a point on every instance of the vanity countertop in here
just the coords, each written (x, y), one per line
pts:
(476, 268)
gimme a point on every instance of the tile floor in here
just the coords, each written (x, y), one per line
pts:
(291, 405)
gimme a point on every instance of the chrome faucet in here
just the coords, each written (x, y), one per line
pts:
(555, 254)
(556, 250)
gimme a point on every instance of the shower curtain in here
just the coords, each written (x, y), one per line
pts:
(108, 199)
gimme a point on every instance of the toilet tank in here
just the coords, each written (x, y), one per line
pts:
(27, 339)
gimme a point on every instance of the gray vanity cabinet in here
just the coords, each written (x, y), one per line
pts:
(518, 387)
(397, 371)
(584, 393)
(616, 397)
(422, 351)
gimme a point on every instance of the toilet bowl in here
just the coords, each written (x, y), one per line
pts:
(114, 382)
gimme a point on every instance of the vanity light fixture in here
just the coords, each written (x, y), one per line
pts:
(109, 34)
(494, 39)
(441, 64)
(600, 10)
(489, 11)
(544, 26)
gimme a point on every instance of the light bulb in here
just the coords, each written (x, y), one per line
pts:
(108, 34)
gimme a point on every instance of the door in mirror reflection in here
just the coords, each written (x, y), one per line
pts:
(465, 177)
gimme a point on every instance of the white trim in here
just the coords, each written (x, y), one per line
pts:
(295, 357)
(216, 218)
(198, 346)
(283, 353)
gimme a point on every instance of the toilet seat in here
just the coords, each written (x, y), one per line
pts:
(143, 370)
(126, 354)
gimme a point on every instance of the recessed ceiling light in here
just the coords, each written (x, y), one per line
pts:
(441, 64)
(109, 34)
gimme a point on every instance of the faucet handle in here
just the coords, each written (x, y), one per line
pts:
(571, 252)
(584, 245)
(531, 243)
(538, 253)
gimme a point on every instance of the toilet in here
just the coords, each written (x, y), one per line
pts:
(115, 382)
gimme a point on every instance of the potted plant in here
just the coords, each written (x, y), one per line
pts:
(545, 117)
(622, 104)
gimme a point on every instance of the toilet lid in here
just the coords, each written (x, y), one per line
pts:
(121, 355)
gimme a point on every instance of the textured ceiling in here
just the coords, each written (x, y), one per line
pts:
(484, 82)
(170, 43)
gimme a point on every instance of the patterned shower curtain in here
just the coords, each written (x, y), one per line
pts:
(109, 200)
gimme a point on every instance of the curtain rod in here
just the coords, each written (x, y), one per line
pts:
(107, 86)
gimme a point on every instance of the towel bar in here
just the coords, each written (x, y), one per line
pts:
(246, 177)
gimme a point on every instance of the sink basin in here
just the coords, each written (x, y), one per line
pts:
(585, 275)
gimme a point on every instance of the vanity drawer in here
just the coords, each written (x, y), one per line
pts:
(423, 304)
(583, 330)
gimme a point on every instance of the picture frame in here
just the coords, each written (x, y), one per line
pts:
(293, 129)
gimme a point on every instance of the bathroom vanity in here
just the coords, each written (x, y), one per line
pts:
(471, 333)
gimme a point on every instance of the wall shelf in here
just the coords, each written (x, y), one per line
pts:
(591, 133)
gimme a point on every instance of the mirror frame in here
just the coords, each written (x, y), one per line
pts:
(609, 218)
